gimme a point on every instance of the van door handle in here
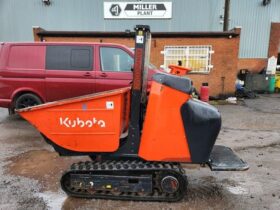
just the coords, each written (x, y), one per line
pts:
(103, 75)
(87, 74)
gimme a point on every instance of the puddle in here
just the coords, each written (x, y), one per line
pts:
(237, 190)
(42, 165)
(54, 201)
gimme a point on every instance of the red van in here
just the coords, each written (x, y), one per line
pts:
(35, 73)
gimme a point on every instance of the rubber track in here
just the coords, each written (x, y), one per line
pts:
(135, 167)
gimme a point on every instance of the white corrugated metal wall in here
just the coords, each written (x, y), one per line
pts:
(255, 20)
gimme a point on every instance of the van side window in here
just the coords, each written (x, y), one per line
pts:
(76, 58)
(115, 59)
(27, 57)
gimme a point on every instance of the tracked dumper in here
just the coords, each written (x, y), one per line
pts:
(136, 143)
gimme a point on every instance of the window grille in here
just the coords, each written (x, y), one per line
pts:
(196, 57)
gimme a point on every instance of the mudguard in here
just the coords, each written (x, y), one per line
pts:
(202, 124)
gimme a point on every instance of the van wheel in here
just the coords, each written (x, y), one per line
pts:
(26, 100)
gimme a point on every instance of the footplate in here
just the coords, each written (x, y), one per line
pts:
(224, 159)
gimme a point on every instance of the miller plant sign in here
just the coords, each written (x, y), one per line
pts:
(137, 10)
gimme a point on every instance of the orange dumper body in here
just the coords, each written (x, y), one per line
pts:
(96, 123)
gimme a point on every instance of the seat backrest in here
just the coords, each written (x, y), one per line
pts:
(182, 84)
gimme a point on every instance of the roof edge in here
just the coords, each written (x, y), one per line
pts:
(128, 34)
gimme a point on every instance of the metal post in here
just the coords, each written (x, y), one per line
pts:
(226, 15)
(130, 146)
(138, 92)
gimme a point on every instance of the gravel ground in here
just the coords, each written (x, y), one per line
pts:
(30, 169)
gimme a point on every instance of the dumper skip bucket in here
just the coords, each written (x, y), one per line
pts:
(91, 123)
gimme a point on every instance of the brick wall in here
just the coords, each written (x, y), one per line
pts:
(222, 77)
(252, 64)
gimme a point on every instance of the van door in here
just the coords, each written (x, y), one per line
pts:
(114, 68)
(69, 71)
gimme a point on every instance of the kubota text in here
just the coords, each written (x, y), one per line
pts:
(72, 123)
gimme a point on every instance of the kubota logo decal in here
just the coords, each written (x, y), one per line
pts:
(73, 123)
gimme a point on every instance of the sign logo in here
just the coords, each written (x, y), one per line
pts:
(137, 10)
(133, 10)
(115, 9)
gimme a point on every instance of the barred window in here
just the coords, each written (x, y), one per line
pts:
(196, 57)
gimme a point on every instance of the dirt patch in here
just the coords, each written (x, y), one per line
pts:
(42, 165)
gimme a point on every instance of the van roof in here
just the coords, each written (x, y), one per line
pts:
(62, 43)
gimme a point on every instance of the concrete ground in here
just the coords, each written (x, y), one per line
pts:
(30, 170)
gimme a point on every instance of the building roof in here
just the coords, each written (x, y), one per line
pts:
(44, 33)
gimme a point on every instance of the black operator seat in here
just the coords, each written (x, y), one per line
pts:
(182, 84)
